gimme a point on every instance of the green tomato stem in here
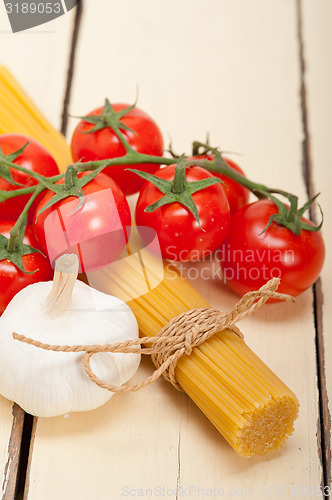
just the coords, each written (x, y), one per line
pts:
(54, 179)
(15, 231)
(221, 167)
(217, 165)
(179, 180)
(70, 177)
(6, 195)
(121, 137)
(132, 157)
(7, 163)
(30, 173)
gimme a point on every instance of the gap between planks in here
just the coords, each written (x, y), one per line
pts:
(71, 66)
(324, 424)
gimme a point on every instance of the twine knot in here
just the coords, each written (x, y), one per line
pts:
(179, 337)
(190, 337)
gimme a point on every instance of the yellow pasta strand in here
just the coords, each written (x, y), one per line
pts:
(19, 115)
(250, 406)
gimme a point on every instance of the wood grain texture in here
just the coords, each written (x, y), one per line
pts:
(230, 68)
(317, 32)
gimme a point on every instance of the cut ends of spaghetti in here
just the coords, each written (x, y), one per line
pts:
(268, 428)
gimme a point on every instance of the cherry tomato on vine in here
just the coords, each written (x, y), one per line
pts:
(97, 231)
(35, 158)
(12, 279)
(238, 196)
(180, 236)
(251, 257)
(144, 137)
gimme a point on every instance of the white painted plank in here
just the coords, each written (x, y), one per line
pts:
(38, 58)
(317, 27)
(230, 68)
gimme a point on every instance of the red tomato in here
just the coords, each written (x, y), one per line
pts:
(104, 144)
(12, 279)
(180, 236)
(238, 196)
(35, 158)
(96, 232)
(251, 257)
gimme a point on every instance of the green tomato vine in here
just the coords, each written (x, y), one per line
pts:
(179, 190)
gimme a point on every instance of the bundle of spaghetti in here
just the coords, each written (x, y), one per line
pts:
(19, 115)
(249, 405)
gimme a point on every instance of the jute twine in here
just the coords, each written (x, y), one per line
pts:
(179, 337)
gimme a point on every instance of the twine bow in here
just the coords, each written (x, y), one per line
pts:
(179, 337)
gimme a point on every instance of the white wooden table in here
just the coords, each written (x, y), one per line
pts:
(257, 76)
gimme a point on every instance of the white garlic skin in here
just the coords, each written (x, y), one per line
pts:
(46, 383)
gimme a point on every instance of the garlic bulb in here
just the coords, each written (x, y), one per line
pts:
(63, 312)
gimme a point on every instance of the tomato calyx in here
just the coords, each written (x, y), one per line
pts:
(179, 189)
(14, 249)
(291, 217)
(110, 119)
(72, 186)
(5, 163)
(205, 149)
(200, 148)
